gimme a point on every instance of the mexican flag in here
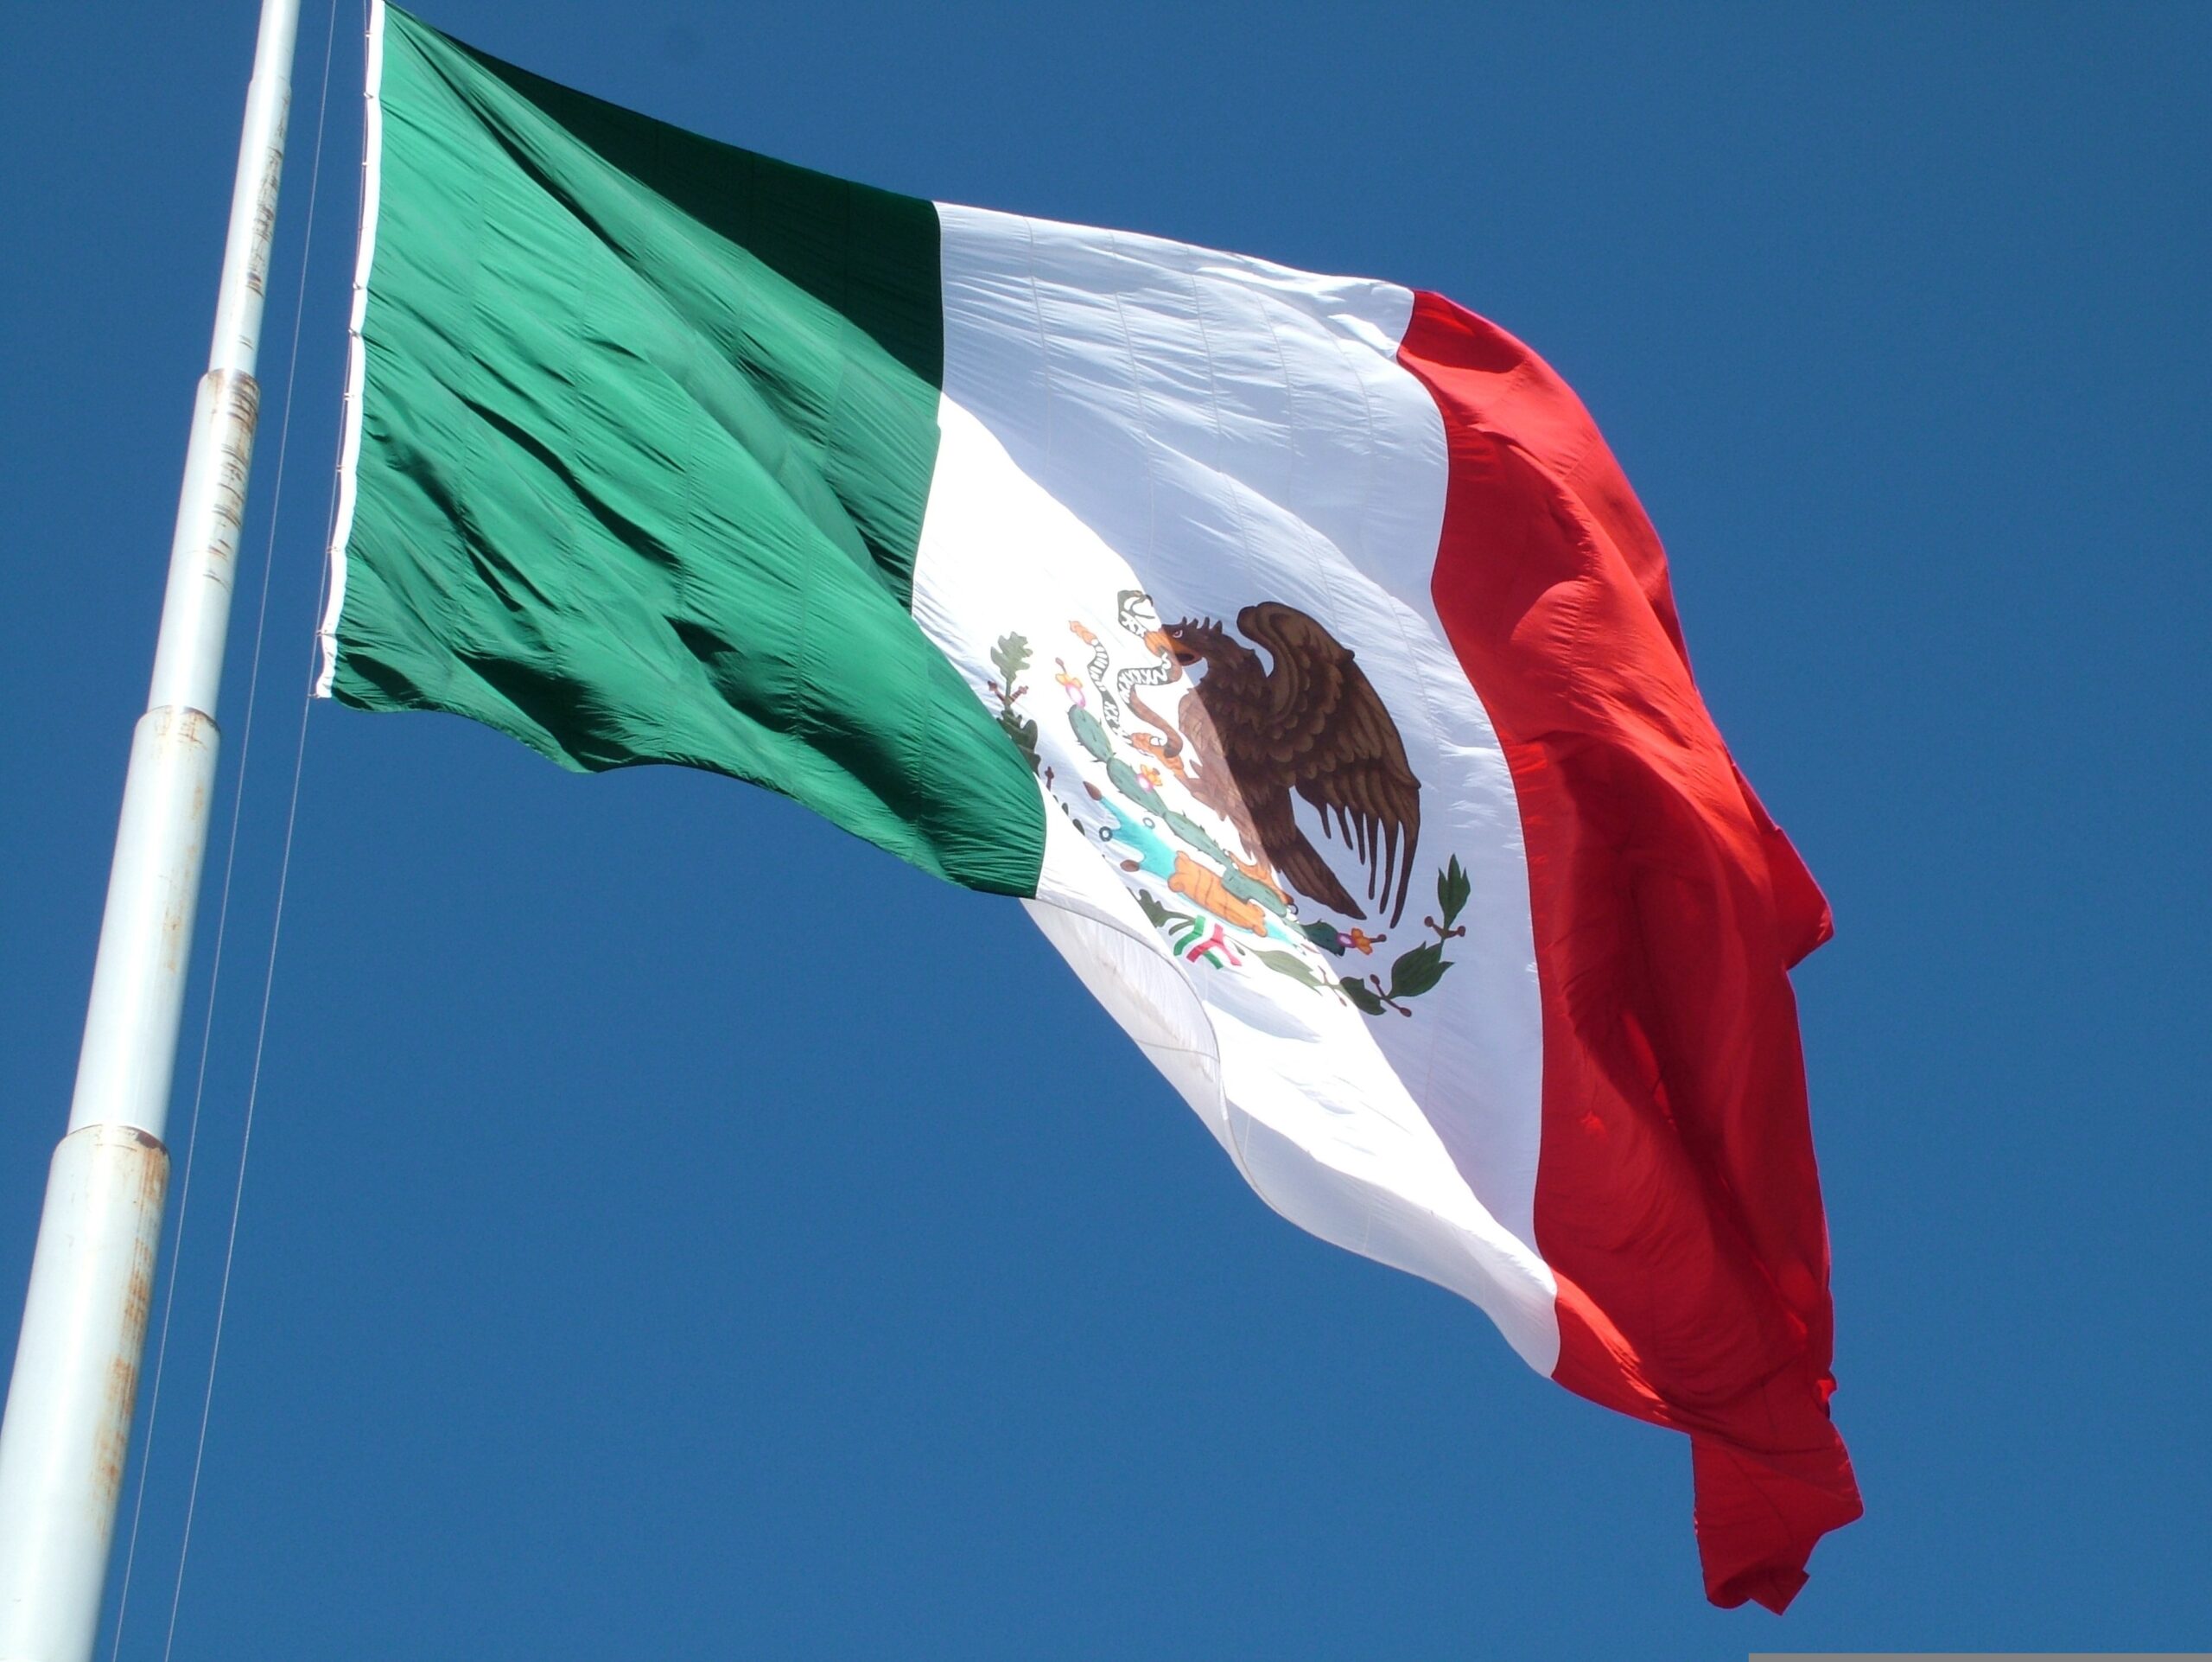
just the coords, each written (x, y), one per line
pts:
(1292, 647)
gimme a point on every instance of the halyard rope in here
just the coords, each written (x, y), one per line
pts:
(222, 920)
(284, 861)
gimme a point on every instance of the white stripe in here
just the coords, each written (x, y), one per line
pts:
(356, 363)
(1121, 412)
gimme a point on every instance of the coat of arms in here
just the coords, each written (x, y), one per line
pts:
(1202, 803)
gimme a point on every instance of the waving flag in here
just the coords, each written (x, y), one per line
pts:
(1291, 645)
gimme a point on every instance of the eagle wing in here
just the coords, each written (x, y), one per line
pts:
(1328, 735)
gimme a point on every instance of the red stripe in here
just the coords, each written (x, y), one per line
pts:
(1676, 1198)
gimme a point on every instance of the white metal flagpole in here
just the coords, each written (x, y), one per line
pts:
(65, 1437)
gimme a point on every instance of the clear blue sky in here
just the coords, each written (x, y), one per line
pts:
(652, 1248)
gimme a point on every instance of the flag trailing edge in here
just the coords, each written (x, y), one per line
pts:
(1292, 646)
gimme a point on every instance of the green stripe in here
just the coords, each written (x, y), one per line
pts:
(645, 444)
(871, 254)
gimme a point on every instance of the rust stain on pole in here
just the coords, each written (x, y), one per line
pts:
(138, 1165)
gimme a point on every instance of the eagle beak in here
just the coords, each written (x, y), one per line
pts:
(1161, 646)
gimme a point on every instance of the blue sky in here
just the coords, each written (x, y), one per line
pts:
(650, 1247)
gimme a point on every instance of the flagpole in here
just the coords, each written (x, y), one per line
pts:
(65, 1439)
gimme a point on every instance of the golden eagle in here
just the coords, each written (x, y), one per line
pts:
(1313, 724)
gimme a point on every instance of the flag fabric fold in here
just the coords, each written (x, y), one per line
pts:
(1292, 645)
